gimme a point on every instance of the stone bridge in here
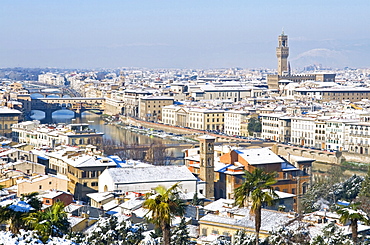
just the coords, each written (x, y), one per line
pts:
(75, 104)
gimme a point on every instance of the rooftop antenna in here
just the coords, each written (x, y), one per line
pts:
(282, 31)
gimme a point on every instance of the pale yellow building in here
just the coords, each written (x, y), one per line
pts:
(206, 119)
(175, 115)
(150, 107)
(195, 118)
(39, 183)
(8, 117)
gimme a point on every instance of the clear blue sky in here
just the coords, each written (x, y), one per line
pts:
(182, 34)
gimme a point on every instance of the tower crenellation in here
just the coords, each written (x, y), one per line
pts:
(282, 53)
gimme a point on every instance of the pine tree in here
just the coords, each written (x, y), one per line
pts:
(331, 235)
(348, 189)
(221, 241)
(296, 233)
(180, 234)
(109, 231)
(243, 238)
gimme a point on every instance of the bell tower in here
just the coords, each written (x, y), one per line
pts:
(206, 168)
(282, 53)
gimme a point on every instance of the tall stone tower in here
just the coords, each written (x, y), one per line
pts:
(282, 53)
(122, 79)
(206, 171)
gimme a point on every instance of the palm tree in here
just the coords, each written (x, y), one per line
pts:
(163, 207)
(256, 190)
(51, 222)
(353, 214)
(14, 215)
(33, 200)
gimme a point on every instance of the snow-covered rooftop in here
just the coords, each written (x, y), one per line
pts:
(258, 156)
(269, 219)
(150, 174)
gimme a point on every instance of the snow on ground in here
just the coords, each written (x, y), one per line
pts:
(29, 238)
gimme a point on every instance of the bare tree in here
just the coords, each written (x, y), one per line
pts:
(158, 154)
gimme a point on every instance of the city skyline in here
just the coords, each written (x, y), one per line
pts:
(182, 34)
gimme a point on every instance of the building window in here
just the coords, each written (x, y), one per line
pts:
(40, 187)
(47, 201)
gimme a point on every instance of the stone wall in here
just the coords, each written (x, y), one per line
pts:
(322, 156)
(356, 157)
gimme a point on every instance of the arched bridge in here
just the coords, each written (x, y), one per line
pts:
(76, 104)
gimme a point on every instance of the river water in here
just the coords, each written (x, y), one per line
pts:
(111, 132)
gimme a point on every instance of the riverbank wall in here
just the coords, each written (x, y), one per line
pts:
(322, 156)
(337, 157)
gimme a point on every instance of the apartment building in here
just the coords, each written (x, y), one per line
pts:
(38, 135)
(52, 79)
(220, 92)
(82, 170)
(131, 98)
(357, 137)
(175, 115)
(196, 118)
(320, 133)
(233, 121)
(303, 131)
(150, 107)
(8, 117)
(276, 127)
(206, 119)
(335, 133)
(336, 93)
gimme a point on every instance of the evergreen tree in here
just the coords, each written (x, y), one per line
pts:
(348, 189)
(242, 237)
(326, 193)
(296, 233)
(254, 125)
(180, 234)
(331, 235)
(222, 240)
(196, 200)
(108, 231)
